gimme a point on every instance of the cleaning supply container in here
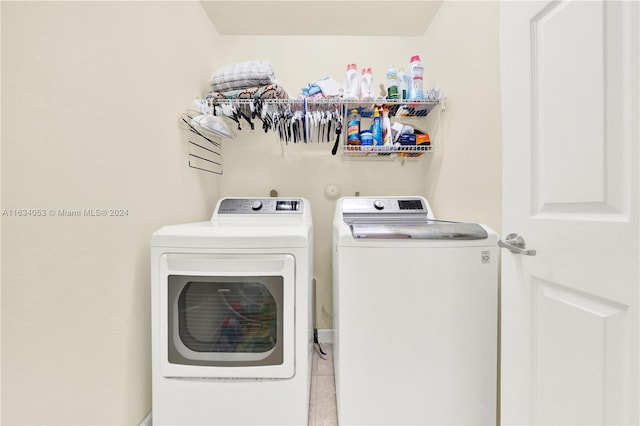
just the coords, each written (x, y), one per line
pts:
(352, 83)
(416, 71)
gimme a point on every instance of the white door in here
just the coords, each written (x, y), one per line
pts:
(570, 100)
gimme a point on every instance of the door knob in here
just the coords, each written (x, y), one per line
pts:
(515, 243)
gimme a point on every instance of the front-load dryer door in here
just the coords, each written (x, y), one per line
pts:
(227, 316)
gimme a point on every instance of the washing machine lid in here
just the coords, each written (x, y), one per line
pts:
(402, 218)
(427, 230)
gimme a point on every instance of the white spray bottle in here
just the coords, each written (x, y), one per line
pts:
(386, 129)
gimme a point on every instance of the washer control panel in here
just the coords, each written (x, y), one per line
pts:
(260, 206)
(370, 205)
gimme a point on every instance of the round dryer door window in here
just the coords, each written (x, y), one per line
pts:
(226, 315)
(226, 321)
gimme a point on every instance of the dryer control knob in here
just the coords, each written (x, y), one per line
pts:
(378, 204)
(256, 205)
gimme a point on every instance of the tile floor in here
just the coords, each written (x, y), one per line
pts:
(322, 401)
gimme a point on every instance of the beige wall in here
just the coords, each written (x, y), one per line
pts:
(461, 48)
(91, 93)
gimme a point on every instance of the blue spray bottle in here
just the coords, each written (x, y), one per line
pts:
(376, 128)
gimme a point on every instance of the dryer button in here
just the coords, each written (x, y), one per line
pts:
(256, 205)
(378, 204)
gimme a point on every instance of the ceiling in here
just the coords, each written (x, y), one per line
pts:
(328, 17)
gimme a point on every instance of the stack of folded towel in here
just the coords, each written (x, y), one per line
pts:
(246, 80)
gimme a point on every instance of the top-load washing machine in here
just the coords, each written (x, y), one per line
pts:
(231, 315)
(415, 315)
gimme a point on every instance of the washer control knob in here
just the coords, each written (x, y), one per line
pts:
(256, 205)
(378, 204)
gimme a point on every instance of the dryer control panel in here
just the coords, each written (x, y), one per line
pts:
(260, 206)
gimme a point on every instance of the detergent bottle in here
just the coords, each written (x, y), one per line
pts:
(352, 83)
(392, 83)
(366, 84)
(353, 128)
(416, 71)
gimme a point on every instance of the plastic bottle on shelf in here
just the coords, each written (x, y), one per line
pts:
(403, 84)
(366, 137)
(366, 84)
(416, 71)
(386, 129)
(353, 128)
(376, 128)
(392, 83)
(352, 83)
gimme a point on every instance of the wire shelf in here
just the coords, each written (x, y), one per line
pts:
(406, 151)
(316, 119)
(397, 107)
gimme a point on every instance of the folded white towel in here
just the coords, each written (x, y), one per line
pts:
(242, 75)
(329, 87)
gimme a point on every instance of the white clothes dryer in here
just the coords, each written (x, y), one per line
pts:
(231, 312)
(415, 315)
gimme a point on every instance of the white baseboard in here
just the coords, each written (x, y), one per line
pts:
(325, 335)
(147, 421)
